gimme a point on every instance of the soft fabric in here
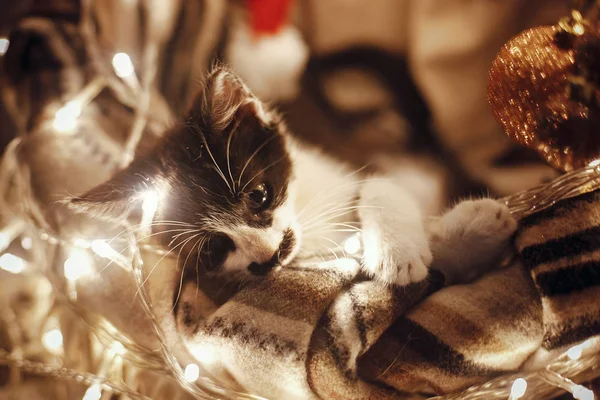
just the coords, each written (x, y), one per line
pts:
(561, 249)
(319, 330)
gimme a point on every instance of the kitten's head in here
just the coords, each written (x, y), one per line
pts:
(225, 173)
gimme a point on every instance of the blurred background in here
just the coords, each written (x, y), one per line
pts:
(396, 84)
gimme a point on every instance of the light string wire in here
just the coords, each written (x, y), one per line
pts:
(552, 379)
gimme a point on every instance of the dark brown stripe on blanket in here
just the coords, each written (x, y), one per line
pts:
(570, 331)
(358, 311)
(339, 353)
(567, 206)
(568, 246)
(573, 278)
(239, 332)
(431, 349)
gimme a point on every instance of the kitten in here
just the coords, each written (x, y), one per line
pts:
(250, 197)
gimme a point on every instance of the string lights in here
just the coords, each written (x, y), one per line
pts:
(11, 263)
(65, 119)
(53, 340)
(4, 43)
(191, 372)
(353, 244)
(518, 389)
(81, 263)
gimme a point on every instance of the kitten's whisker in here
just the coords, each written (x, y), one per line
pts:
(309, 228)
(228, 155)
(334, 243)
(324, 211)
(219, 170)
(200, 246)
(136, 242)
(154, 223)
(336, 213)
(261, 171)
(183, 271)
(153, 268)
(183, 233)
(312, 234)
(325, 193)
(258, 149)
(205, 190)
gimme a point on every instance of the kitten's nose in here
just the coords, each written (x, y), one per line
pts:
(265, 267)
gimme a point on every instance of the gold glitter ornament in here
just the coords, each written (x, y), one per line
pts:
(541, 102)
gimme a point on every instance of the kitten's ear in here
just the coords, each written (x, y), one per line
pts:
(223, 96)
(119, 196)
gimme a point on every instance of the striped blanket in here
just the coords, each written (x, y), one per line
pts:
(321, 331)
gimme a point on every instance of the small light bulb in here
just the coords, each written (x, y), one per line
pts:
(191, 373)
(103, 249)
(518, 389)
(78, 264)
(94, 392)
(574, 352)
(4, 43)
(150, 204)
(52, 340)
(122, 65)
(11, 263)
(352, 245)
(117, 348)
(582, 393)
(4, 241)
(65, 119)
(27, 243)
(578, 29)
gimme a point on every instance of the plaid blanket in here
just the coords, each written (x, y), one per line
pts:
(319, 330)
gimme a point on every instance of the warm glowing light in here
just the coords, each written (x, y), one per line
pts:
(582, 393)
(4, 241)
(11, 263)
(150, 204)
(4, 43)
(122, 65)
(518, 389)
(78, 264)
(578, 29)
(81, 243)
(117, 348)
(94, 392)
(575, 352)
(191, 373)
(52, 340)
(26, 243)
(65, 119)
(103, 249)
(594, 163)
(352, 245)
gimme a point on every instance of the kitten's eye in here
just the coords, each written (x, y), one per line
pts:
(260, 198)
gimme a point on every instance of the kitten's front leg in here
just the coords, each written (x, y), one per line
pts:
(469, 239)
(396, 248)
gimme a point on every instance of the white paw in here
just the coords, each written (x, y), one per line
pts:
(469, 239)
(485, 220)
(400, 259)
